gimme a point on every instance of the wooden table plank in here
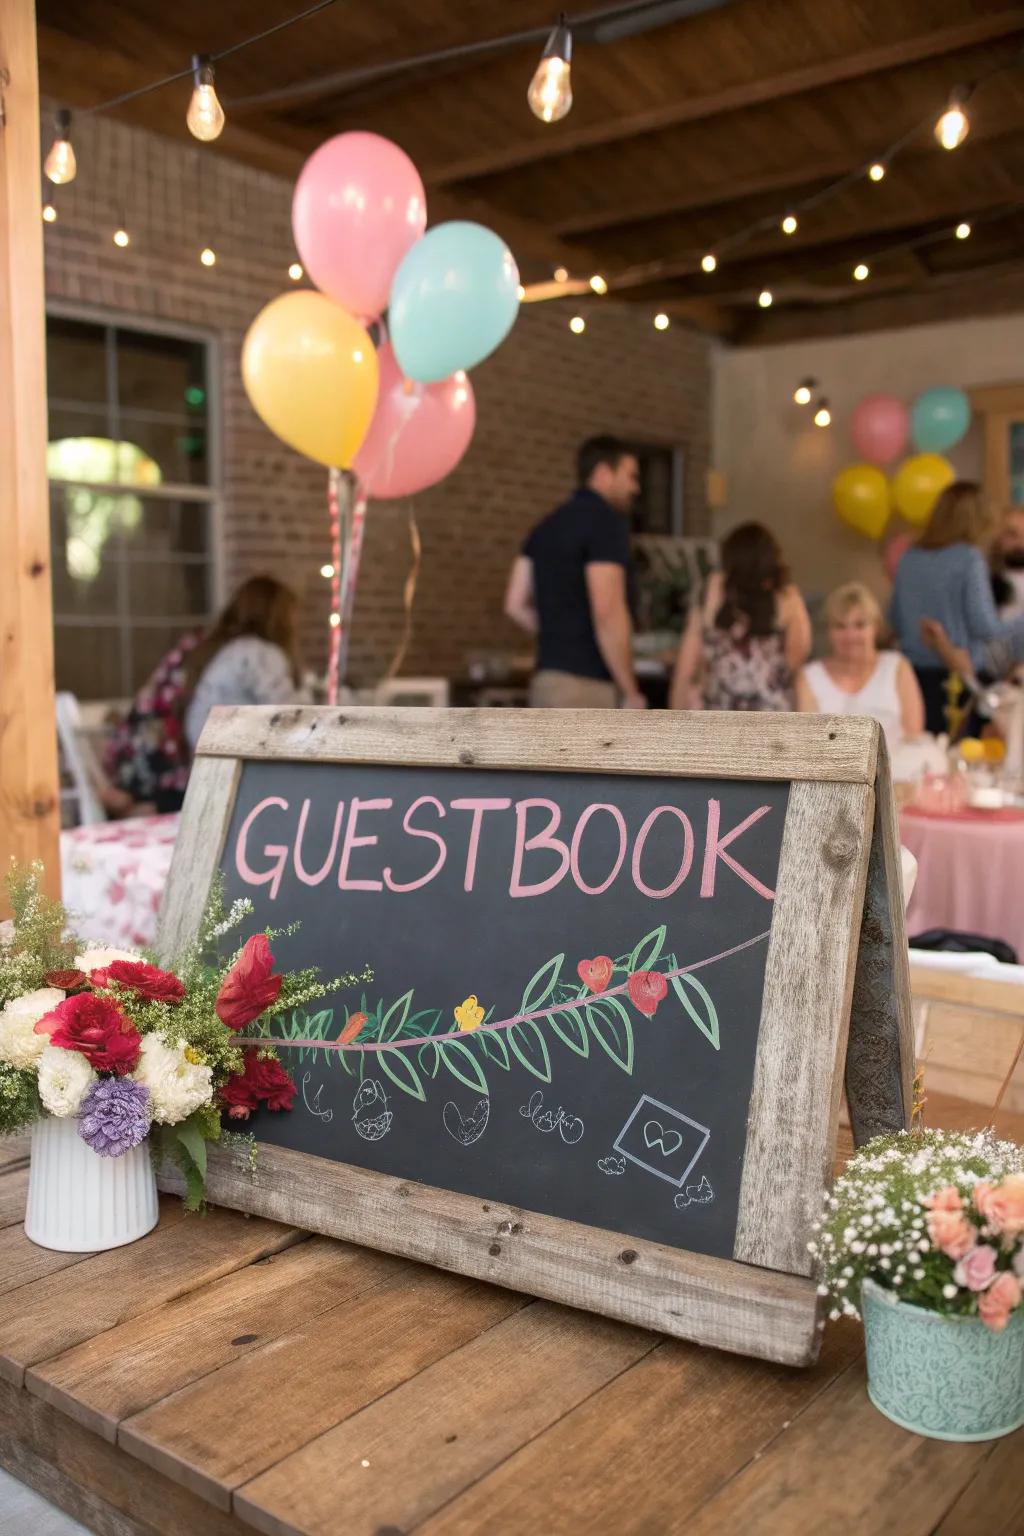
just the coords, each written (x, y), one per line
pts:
(128, 1368)
(447, 1427)
(237, 1422)
(14, 1149)
(994, 1498)
(13, 1194)
(641, 1455)
(177, 1256)
(843, 1468)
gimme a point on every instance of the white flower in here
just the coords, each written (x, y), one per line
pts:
(64, 1077)
(96, 958)
(19, 1044)
(949, 1291)
(176, 1085)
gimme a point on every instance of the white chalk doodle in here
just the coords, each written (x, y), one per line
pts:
(612, 1164)
(662, 1140)
(695, 1194)
(466, 1129)
(370, 1114)
(326, 1115)
(569, 1127)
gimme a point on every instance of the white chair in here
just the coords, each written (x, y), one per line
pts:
(80, 764)
(431, 691)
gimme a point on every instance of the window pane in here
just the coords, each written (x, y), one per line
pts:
(167, 589)
(76, 367)
(83, 529)
(161, 373)
(169, 528)
(73, 423)
(178, 447)
(150, 646)
(88, 662)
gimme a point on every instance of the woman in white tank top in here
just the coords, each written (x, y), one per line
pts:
(858, 679)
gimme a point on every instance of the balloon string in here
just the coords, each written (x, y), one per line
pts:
(334, 650)
(408, 596)
(350, 579)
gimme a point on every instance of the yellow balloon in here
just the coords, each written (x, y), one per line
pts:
(310, 371)
(918, 484)
(861, 496)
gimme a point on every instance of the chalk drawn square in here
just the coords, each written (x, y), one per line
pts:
(662, 1140)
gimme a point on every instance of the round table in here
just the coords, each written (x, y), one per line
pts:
(113, 877)
(969, 873)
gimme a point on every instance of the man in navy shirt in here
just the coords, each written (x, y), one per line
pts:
(570, 587)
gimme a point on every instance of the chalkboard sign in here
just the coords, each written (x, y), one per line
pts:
(606, 969)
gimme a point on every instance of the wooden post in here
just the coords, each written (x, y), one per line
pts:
(29, 790)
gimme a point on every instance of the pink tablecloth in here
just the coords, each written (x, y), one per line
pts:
(113, 876)
(969, 876)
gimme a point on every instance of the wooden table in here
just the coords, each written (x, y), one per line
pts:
(228, 1374)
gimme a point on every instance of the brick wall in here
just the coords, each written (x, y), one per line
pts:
(537, 397)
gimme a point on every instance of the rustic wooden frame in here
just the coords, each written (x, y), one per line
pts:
(837, 945)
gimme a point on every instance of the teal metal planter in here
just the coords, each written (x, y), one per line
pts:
(949, 1378)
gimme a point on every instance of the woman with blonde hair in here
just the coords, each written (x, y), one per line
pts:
(944, 577)
(856, 678)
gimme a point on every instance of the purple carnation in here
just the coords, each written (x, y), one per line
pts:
(115, 1116)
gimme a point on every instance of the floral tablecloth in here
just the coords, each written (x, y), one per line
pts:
(113, 877)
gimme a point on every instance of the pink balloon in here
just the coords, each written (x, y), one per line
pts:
(894, 552)
(359, 205)
(418, 434)
(880, 428)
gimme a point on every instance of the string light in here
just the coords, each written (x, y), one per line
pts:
(561, 274)
(954, 125)
(802, 393)
(661, 322)
(208, 256)
(577, 325)
(550, 92)
(121, 237)
(861, 271)
(520, 293)
(822, 414)
(789, 224)
(60, 164)
(49, 212)
(295, 272)
(335, 620)
(598, 283)
(963, 231)
(327, 571)
(709, 262)
(764, 298)
(877, 171)
(205, 115)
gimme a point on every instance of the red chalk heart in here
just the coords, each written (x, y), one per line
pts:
(596, 973)
(646, 990)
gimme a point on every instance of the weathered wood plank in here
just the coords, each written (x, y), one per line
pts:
(843, 1467)
(13, 1194)
(443, 1430)
(14, 1150)
(690, 1295)
(120, 1372)
(994, 1498)
(639, 1456)
(176, 1257)
(794, 1104)
(842, 749)
(95, 1482)
(204, 823)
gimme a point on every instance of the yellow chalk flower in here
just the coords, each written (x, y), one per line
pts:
(469, 1015)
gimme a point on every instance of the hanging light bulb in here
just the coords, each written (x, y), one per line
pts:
(60, 164)
(205, 115)
(661, 322)
(953, 126)
(764, 298)
(520, 293)
(208, 256)
(49, 212)
(327, 571)
(709, 262)
(295, 271)
(861, 271)
(335, 620)
(789, 224)
(822, 414)
(963, 231)
(802, 393)
(877, 171)
(561, 274)
(121, 237)
(577, 325)
(550, 93)
(598, 283)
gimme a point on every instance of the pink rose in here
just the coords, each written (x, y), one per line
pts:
(996, 1304)
(947, 1199)
(976, 1269)
(1002, 1205)
(952, 1232)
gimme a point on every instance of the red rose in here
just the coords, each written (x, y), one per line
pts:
(144, 980)
(264, 1081)
(67, 981)
(97, 1028)
(250, 986)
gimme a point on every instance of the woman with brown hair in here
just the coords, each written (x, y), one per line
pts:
(745, 641)
(249, 656)
(944, 578)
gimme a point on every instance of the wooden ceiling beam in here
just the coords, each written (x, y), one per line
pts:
(825, 72)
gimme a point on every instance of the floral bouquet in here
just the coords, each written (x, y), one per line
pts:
(132, 1050)
(936, 1218)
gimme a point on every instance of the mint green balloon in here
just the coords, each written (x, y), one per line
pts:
(454, 299)
(939, 418)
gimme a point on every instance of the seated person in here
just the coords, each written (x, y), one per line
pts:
(856, 678)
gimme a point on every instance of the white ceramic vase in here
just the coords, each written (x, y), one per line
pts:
(79, 1202)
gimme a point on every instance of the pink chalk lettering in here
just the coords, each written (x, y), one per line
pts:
(321, 873)
(715, 847)
(434, 837)
(354, 841)
(641, 842)
(543, 839)
(277, 851)
(478, 807)
(577, 838)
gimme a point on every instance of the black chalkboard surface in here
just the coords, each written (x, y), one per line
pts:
(567, 980)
